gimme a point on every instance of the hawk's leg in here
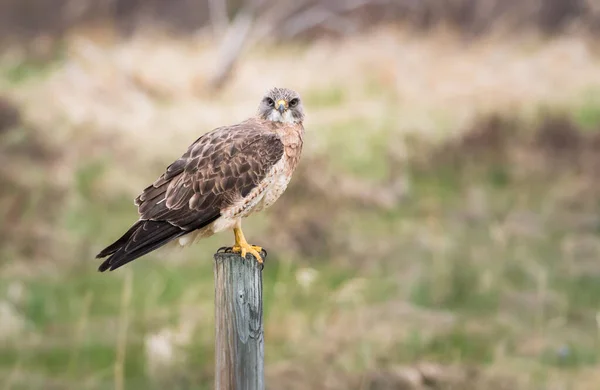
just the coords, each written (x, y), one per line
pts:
(242, 247)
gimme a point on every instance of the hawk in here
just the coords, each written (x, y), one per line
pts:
(224, 176)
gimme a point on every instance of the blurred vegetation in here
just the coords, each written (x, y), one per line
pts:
(29, 19)
(442, 231)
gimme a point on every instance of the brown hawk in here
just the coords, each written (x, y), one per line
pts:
(225, 175)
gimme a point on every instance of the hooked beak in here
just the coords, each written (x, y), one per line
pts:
(281, 104)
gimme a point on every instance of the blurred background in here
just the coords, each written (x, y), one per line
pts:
(441, 232)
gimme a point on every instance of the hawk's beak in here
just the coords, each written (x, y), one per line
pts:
(281, 104)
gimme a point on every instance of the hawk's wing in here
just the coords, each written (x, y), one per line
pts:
(219, 168)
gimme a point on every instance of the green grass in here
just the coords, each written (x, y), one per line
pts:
(357, 148)
(16, 72)
(56, 306)
(587, 114)
(476, 258)
(326, 97)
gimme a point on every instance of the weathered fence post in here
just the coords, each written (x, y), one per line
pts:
(239, 342)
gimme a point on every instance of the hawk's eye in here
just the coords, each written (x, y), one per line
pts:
(270, 102)
(293, 102)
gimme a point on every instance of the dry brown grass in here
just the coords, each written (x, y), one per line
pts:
(471, 262)
(152, 90)
(148, 97)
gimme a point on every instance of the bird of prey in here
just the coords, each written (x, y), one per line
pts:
(224, 176)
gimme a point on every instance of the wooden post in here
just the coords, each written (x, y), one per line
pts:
(239, 344)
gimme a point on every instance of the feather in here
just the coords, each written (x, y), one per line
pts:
(142, 238)
(218, 169)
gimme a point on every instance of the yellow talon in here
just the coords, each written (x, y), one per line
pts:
(252, 249)
(242, 247)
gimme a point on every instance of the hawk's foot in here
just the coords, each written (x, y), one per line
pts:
(225, 249)
(243, 248)
(263, 253)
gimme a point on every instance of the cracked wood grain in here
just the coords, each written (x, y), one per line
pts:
(239, 334)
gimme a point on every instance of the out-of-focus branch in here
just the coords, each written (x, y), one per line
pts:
(236, 38)
(217, 10)
(320, 15)
(263, 19)
(231, 47)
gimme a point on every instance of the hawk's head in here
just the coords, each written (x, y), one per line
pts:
(281, 105)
